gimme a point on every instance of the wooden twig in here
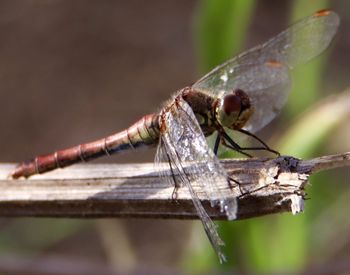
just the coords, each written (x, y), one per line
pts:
(136, 190)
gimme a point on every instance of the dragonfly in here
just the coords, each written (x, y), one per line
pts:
(243, 94)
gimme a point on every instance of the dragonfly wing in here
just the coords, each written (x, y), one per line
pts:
(184, 146)
(266, 102)
(306, 39)
(253, 70)
(209, 226)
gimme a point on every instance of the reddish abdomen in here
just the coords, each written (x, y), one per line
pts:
(144, 132)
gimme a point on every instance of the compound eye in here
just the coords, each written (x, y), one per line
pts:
(234, 110)
(232, 104)
(228, 111)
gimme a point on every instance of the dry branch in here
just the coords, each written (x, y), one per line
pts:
(136, 190)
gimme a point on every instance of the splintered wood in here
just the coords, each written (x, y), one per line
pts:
(135, 190)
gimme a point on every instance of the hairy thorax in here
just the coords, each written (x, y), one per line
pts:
(202, 106)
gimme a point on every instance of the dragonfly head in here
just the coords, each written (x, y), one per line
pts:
(233, 110)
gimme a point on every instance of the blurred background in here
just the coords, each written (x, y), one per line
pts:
(75, 71)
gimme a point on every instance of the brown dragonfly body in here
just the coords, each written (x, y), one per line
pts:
(145, 132)
(133, 137)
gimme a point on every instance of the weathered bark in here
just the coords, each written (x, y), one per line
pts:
(135, 190)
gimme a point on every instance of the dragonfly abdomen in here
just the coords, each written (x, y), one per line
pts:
(144, 132)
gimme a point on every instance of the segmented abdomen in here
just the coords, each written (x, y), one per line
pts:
(144, 132)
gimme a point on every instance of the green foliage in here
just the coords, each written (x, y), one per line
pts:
(221, 28)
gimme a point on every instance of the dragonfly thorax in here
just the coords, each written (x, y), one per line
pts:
(233, 110)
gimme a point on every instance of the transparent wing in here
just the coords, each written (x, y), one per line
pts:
(209, 226)
(296, 45)
(183, 144)
(254, 72)
(266, 102)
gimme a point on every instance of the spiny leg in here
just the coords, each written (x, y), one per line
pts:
(232, 145)
(266, 147)
(223, 136)
(230, 180)
(261, 188)
(250, 192)
(176, 185)
(217, 143)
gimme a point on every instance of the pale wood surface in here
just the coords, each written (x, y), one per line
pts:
(136, 190)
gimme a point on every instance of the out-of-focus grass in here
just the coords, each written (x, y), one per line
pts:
(220, 31)
(275, 243)
(33, 236)
(319, 123)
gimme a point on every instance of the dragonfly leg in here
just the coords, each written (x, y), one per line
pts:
(217, 143)
(232, 145)
(176, 184)
(250, 192)
(265, 186)
(231, 180)
(265, 146)
(174, 193)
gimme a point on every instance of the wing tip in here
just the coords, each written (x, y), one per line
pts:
(332, 15)
(323, 12)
